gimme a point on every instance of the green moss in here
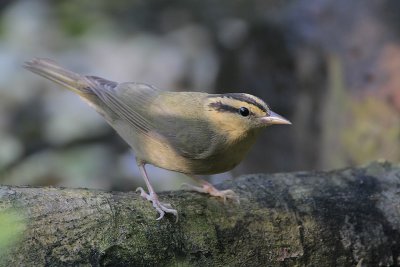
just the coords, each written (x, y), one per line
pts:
(75, 17)
(12, 227)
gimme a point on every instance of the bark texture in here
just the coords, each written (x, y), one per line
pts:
(337, 218)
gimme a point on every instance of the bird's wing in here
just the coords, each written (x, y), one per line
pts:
(132, 102)
(193, 139)
(128, 101)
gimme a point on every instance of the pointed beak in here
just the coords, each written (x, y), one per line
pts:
(274, 118)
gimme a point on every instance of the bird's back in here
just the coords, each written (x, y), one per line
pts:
(167, 129)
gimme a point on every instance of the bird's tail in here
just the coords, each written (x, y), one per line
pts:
(54, 72)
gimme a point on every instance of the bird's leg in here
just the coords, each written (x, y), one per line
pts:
(208, 188)
(161, 208)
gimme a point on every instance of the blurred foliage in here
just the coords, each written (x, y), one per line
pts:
(12, 226)
(331, 67)
(336, 110)
(160, 16)
(374, 132)
(74, 20)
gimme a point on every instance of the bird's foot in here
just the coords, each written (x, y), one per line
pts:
(211, 190)
(161, 207)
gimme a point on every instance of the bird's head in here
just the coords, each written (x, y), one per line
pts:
(239, 114)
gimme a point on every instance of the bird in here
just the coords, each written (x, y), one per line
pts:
(194, 133)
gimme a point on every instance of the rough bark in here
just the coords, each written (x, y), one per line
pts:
(338, 218)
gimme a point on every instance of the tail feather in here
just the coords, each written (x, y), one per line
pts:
(54, 72)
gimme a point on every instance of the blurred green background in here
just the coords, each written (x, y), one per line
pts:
(331, 67)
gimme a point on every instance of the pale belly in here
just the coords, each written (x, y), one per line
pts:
(165, 156)
(168, 159)
(156, 151)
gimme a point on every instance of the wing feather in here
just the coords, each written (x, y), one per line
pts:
(193, 139)
(127, 101)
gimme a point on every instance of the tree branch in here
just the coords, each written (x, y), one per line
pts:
(338, 218)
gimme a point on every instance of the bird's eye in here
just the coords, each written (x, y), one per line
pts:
(244, 111)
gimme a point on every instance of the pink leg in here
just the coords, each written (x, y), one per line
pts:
(161, 208)
(210, 189)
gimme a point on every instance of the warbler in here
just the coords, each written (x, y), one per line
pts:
(193, 133)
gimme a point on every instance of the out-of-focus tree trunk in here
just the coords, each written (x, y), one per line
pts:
(338, 218)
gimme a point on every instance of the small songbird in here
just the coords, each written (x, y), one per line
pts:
(192, 133)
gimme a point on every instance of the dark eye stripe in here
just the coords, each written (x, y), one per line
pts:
(225, 108)
(222, 107)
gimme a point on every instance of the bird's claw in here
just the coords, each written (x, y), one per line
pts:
(143, 193)
(161, 208)
(211, 190)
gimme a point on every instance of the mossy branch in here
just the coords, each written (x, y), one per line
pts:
(338, 218)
